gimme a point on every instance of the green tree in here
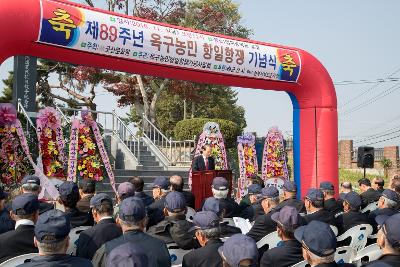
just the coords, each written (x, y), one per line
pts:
(386, 165)
(8, 88)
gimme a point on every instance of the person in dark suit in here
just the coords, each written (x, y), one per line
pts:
(174, 227)
(387, 205)
(138, 183)
(289, 252)
(51, 238)
(239, 250)
(6, 223)
(177, 184)
(368, 194)
(87, 189)
(351, 214)
(330, 203)
(206, 227)
(378, 184)
(319, 244)
(156, 210)
(30, 184)
(132, 219)
(205, 161)
(388, 240)
(106, 229)
(69, 197)
(314, 203)
(128, 254)
(25, 211)
(289, 197)
(264, 225)
(248, 211)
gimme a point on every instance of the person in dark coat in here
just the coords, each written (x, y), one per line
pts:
(289, 252)
(6, 223)
(378, 184)
(87, 189)
(368, 194)
(319, 244)
(128, 254)
(264, 224)
(205, 161)
(69, 197)
(106, 229)
(387, 205)
(289, 197)
(156, 210)
(174, 227)
(351, 214)
(248, 211)
(132, 219)
(345, 187)
(314, 203)
(239, 250)
(226, 230)
(51, 238)
(330, 203)
(228, 206)
(31, 184)
(207, 232)
(177, 184)
(138, 183)
(25, 211)
(388, 240)
(124, 190)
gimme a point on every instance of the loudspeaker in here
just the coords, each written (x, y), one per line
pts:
(366, 157)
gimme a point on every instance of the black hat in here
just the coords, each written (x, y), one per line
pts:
(220, 183)
(68, 190)
(30, 179)
(127, 254)
(132, 209)
(175, 201)
(52, 226)
(25, 204)
(96, 200)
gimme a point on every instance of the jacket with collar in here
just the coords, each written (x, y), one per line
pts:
(286, 255)
(206, 256)
(61, 260)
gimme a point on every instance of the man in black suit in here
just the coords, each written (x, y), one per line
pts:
(264, 225)
(314, 203)
(156, 210)
(207, 234)
(30, 184)
(87, 189)
(330, 203)
(20, 241)
(138, 183)
(6, 223)
(177, 184)
(105, 229)
(387, 205)
(69, 197)
(289, 197)
(368, 194)
(377, 184)
(205, 161)
(351, 213)
(289, 252)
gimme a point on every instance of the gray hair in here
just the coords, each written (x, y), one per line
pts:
(213, 233)
(133, 225)
(218, 194)
(318, 260)
(31, 187)
(52, 248)
(389, 203)
(273, 200)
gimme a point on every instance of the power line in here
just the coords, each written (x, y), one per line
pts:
(372, 100)
(381, 80)
(377, 142)
(372, 137)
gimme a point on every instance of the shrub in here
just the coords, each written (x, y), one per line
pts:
(187, 129)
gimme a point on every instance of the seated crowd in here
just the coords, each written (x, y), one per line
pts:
(137, 229)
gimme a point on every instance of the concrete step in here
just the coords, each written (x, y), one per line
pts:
(141, 173)
(147, 179)
(147, 158)
(150, 168)
(148, 163)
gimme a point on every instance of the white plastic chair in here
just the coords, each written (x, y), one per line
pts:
(344, 255)
(73, 239)
(358, 234)
(367, 254)
(243, 224)
(334, 229)
(301, 264)
(272, 240)
(370, 207)
(176, 253)
(190, 213)
(229, 221)
(18, 260)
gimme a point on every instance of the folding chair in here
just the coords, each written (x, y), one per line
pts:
(243, 224)
(18, 260)
(189, 214)
(367, 254)
(359, 236)
(334, 229)
(301, 264)
(370, 207)
(344, 255)
(272, 240)
(176, 253)
(73, 239)
(229, 221)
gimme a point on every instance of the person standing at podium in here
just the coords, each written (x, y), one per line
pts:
(205, 161)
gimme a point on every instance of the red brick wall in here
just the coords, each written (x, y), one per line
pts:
(345, 148)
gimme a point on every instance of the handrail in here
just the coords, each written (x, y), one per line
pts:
(62, 114)
(122, 135)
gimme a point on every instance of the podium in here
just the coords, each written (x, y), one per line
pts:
(202, 181)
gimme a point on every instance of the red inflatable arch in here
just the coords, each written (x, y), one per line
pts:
(77, 34)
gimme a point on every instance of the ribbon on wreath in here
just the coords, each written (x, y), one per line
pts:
(248, 165)
(73, 151)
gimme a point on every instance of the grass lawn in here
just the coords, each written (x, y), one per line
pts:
(353, 177)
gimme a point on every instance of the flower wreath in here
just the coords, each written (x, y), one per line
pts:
(248, 165)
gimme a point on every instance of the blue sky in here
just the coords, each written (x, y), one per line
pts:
(354, 40)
